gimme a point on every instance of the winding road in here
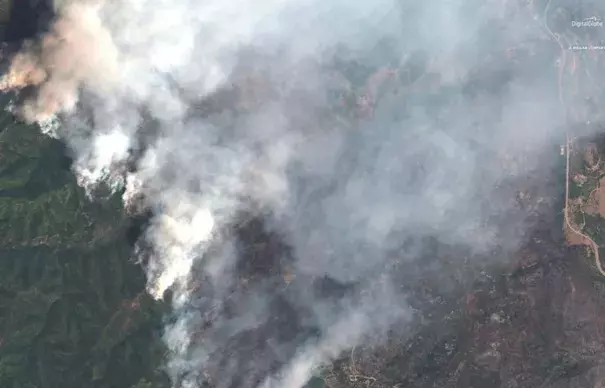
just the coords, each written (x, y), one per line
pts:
(585, 238)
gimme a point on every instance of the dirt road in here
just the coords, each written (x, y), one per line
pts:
(562, 67)
(586, 239)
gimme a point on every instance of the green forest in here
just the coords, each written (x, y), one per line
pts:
(73, 311)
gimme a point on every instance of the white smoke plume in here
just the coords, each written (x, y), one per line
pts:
(78, 50)
(138, 86)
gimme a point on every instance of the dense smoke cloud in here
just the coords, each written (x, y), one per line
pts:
(78, 50)
(208, 112)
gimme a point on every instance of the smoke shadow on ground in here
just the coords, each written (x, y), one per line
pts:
(28, 19)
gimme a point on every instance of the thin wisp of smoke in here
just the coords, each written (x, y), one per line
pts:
(203, 112)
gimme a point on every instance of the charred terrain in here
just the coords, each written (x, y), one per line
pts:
(74, 312)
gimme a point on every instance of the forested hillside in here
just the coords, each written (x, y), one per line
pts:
(72, 308)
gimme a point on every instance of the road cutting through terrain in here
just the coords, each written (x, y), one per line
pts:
(586, 239)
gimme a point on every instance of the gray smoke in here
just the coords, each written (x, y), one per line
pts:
(209, 112)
